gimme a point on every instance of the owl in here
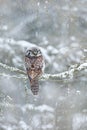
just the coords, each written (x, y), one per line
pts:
(34, 63)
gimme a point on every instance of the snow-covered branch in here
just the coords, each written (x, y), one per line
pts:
(12, 69)
(69, 74)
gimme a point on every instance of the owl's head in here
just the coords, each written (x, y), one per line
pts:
(33, 52)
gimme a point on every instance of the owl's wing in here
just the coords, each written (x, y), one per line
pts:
(28, 66)
(27, 62)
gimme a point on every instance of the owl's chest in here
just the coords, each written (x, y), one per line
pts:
(33, 62)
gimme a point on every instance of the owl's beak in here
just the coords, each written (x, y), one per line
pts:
(35, 52)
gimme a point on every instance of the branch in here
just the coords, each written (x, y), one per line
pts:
(12, 69)
(71, 73)
(14, 76)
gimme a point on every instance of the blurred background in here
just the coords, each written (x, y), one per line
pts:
(59, 27)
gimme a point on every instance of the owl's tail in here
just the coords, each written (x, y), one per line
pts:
(34, 86)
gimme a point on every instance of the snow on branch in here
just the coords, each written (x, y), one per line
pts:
(69, 74)
(12, 69)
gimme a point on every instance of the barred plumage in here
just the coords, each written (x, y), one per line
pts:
(34, 86)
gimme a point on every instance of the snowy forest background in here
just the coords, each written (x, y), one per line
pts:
(59, 27)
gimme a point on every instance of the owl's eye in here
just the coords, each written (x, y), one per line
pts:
(39, 52)
(28, 53)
